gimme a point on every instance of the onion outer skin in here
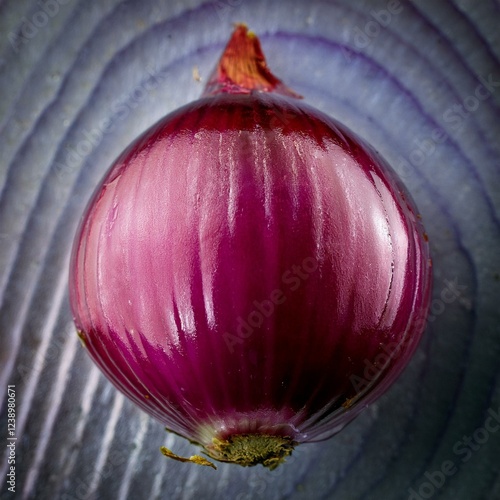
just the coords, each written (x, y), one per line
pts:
(249, 267)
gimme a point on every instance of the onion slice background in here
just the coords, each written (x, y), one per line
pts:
(92, 76)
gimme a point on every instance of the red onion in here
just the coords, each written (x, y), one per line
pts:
(249, 272)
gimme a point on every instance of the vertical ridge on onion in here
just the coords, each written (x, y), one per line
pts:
(209, 265)
(272, 249)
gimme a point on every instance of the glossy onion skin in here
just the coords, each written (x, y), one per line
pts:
(249, 266)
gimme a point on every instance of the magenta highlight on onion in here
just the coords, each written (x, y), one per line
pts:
(249, 272)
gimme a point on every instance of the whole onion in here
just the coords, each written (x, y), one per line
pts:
(249, 272)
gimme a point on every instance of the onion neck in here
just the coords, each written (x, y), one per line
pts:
(242, 69)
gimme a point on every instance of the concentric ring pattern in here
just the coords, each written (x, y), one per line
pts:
(420, 81)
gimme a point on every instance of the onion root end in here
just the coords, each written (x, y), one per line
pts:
(252, 449)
